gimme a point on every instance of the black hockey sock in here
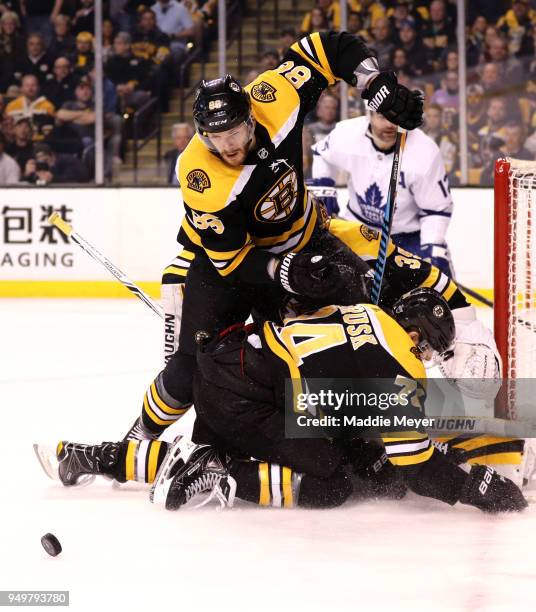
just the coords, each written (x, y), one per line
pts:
(160, 408)
(139, 460)
(269, 484)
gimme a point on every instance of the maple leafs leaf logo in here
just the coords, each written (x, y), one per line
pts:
(372, 204)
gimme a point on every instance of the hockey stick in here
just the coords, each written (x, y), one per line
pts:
(67, 229)
(388, 214)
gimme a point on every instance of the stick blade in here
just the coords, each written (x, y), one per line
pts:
(60, 223)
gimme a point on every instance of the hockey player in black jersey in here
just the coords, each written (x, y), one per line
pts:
(252, 234)
(239, 399)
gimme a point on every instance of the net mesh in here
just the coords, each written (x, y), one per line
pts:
(522, 271)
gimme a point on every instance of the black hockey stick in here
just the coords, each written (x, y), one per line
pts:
(388, 214)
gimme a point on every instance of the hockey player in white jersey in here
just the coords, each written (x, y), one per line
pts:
(363, 148)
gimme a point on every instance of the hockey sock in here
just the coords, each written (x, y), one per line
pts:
(139, 460)
(160, 409)
(269, 484)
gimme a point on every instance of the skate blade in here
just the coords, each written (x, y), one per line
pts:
(47, 460)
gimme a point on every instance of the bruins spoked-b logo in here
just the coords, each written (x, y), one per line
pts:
(263, 92)
(198, 180)
(280, 200)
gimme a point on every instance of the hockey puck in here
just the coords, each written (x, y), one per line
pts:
(51, 544)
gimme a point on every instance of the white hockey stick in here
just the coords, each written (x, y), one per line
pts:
(67, 229)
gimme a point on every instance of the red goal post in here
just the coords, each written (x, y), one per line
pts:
(515, 269)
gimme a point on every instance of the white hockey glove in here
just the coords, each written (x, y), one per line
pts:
(475, 365)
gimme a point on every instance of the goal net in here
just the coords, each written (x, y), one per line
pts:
(515, 275)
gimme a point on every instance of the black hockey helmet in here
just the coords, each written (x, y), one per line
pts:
(220, 105)
(426, 311)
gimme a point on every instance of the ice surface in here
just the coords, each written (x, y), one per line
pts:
(77, 370)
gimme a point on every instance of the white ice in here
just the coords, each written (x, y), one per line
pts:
(77, 370)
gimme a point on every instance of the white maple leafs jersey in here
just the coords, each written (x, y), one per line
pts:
(423, 200)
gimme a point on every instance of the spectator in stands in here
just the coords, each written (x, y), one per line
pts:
(491, 151)
(35, 107)
(84, 56)
(516, 23)
(174, 19)
(491, 78)
(79, 113)
(39, 16)
(514, 137)
(131, 75)
(331, 10)
(327, 110)
(251, 75)
(399, 62)
(417, 54)
(496, 119)
(84, 18)
(452, 61)
(63, 42)
(511, 66)
(148, 41)
(9, 169)
(108, 35)
(438, 34)
(46, 167)
(475, 42)
(448, 95)
(21, 149)
(12, 42)
(476, 107)
(382, 43)
(269, 60)
(318, 21)
(355, 25)
(13, 6)
(492, 11)
(35, 60)
(60, 87)
(286, 40)
(181, 134)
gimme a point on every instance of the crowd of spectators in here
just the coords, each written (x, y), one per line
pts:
(47, 78)
(418, 40)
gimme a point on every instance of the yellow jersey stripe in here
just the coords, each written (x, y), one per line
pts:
(432, 278)
(153, 461)
(152, 415)
(482, 441)
(130, 470)
(514, 458)
(217, 255)
(413, 459)
(449, 291)
(324, 68)
(264, 481)
(175, 270)
(162, 405)
(236, 262)
(282, 352)
(288, 501)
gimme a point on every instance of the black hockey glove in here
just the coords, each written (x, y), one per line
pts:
(395, 102)
(487, 490)
(307, 274)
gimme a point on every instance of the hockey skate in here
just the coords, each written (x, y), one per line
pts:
(77, 464)
(189, 471)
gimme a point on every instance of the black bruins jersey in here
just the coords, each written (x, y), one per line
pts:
(243, 216)
(352, 342)
(229, 211)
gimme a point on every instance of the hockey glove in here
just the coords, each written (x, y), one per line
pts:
(395, 102)
(324, 190)
(307, 274)
(437, 255)
(487, 490)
